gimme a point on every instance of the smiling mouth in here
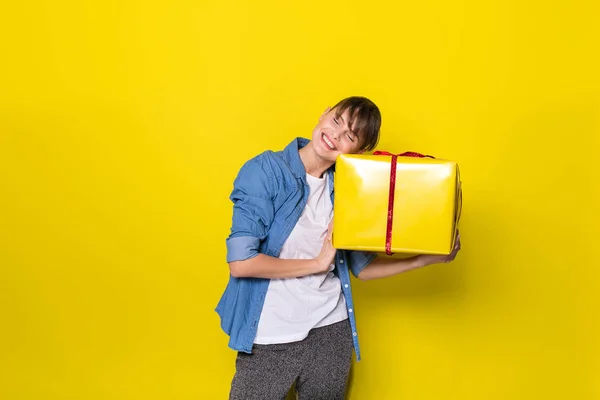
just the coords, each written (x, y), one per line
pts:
(328, 142)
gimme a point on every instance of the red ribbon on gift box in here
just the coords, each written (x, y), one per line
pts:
(390, 217)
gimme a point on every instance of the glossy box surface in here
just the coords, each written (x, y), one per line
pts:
(426, 206)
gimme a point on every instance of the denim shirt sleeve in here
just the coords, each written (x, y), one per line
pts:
(358, 260)
(253, 210)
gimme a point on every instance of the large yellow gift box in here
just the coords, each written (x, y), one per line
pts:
(412, 208)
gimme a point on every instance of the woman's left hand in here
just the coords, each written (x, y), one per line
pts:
(429, 259)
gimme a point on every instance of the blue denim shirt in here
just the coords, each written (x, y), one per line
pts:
(269, 195)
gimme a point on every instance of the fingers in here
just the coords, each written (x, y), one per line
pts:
(457, 242)
(455, 250)
(457, 246)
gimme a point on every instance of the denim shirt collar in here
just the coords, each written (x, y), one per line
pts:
(292, 156)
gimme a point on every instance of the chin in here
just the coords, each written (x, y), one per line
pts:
(329, 156)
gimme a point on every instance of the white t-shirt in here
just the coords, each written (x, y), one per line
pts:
(294, 306)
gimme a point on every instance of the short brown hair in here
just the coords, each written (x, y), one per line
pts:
(365, 119)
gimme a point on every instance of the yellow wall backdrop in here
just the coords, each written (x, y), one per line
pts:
(123, 124)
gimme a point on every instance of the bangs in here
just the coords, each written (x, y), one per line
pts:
(365, 119)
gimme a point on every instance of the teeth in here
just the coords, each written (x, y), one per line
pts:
(331, 146)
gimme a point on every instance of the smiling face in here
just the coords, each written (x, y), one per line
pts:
(334, 135)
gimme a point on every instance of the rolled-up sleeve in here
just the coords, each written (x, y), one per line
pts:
(253, 210)
(358, 260)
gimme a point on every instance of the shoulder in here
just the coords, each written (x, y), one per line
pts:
(263, 172)
(271, 164)
(258, 166)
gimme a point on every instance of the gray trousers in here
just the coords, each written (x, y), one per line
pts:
(317, 367)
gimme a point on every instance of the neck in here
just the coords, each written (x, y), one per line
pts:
(313, 164)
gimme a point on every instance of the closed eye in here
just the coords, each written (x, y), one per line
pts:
(336, 121)
(350, 137)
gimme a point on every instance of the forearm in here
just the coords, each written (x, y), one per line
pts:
(382, 267)
(263, 266)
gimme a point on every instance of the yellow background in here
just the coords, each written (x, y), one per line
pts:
(123, 124)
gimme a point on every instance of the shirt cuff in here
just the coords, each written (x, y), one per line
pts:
(359, 260)
(241, 248)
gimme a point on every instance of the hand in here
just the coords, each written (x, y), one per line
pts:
(327, 255)
(429, 259)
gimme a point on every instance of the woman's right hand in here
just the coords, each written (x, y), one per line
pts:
(327, 255)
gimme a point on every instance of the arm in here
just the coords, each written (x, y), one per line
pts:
(264, 266)
(382, 267)
(253, 200)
